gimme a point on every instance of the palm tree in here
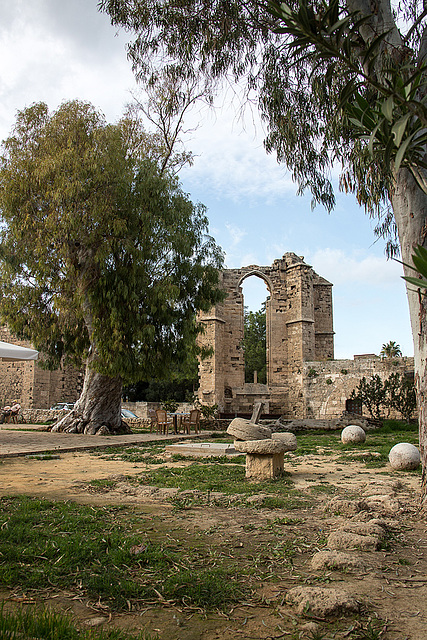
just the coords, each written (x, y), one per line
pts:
(391, 350)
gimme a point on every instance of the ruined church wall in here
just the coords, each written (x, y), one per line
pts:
(33, 387)
(327, 385)
(323, 319)
(298, 328)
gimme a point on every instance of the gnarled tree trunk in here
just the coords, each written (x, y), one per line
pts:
(98, 410)
(410, 213)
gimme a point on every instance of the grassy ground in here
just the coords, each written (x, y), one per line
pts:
(127, 559)
(50, 625)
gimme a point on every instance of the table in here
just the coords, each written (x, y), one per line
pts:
(177, 417)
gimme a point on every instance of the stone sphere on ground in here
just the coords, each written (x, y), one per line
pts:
(404, 456)
(352, 433)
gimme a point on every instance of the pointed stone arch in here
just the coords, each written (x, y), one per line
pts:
(299, 328)
(257, 272)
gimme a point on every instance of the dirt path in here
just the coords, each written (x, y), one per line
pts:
(390, 582)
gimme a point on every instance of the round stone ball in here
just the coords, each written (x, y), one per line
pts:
(352, 433)
(404, 456)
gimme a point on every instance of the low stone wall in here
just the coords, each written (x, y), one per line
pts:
(327, 385)
(43, 416)
(142, 409)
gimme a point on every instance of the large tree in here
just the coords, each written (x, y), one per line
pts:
(254, 345)
(302, 96)
(103, 259)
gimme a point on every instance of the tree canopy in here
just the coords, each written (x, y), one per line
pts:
(391, 350)
(254, 345)
(103, 256)
(299, 96)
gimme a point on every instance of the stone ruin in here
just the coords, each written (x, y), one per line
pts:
(299, 328)
(303, 380)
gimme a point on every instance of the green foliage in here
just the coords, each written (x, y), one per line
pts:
(401, 395)
(372, 395)
(312, 373)
(254, 345)
(419, 259)
(169, 405)
(383, 97)
(50, 625)
(333, 86)
(397, 392)
(157, 390)
(391, 350)
(100, 250)
(209, 412)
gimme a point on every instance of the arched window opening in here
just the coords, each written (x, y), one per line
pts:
(255, 294)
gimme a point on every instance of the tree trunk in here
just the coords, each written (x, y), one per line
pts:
(410, 210)
(98, 410)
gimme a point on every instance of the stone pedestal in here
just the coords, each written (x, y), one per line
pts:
(264, 467)
(264, 458)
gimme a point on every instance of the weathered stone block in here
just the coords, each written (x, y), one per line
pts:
(261, 447)
(264, 467)
(242, 429)
(288, 439)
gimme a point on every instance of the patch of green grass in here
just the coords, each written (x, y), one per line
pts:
(393, 426)
(125, 452)
(329, 489)
(372, 630)
(178, 457)
(64, 545)
(283, 502)
(378, 443)
(97, 551)
(228, 479)
(49, 625)
(103, 483)
(212, 584)
(282, 522)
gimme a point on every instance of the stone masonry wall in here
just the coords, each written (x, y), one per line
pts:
(33, 387)
(299, 327)
(327, 385)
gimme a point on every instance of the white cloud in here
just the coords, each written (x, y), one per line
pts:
(54, 51)
(236, 234)
(340, 268)
(231, 160)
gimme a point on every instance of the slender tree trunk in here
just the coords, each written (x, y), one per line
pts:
(98, 410)
(410, 213)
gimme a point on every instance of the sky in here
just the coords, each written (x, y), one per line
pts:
(58, 50)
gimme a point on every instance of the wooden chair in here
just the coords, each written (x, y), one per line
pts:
(153, 420)
(192, 420)
(162, 421)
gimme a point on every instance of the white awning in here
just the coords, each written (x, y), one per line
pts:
(13, 352)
